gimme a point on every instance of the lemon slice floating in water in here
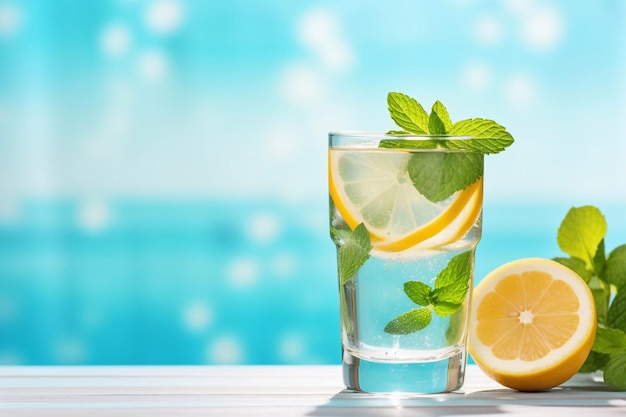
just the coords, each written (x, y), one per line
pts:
(373, 187)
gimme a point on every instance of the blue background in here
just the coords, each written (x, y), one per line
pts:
(163, 195)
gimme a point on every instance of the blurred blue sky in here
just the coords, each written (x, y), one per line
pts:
(167, 158)
(170, 97)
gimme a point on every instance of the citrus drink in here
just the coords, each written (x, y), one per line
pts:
(393, 338)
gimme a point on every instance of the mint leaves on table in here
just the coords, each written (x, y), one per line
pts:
(445, 299)
(438, 175)
(581, 236)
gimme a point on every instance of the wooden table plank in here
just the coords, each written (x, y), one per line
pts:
(271, 391)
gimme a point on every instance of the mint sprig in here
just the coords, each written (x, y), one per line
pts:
(438, 175)
(484, 135)
(581, 236)
(445, 299)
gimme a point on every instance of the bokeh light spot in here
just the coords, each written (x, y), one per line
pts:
(94, 215)
(291, 347)
(489, 30)
(226, 350)
(284, 264)
(10, 358)
(243, 272)
(264, 227)
(8, 309)
(115, 40)
(542, 29)
(521, 90)
(197, 316)
(164, 16)
(10, 19)
(300, 84)
(70, 350)
(153, 65)
(476, 76)
(320, 31)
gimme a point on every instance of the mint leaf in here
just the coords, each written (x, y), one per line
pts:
(439, 122)
(452, 284)
(609, 341)
(616, 316)
(615, 371)
(410, 322)
(353, 253)
(456, 274)
(601, 292)
(408, 113)
(599, 260)
(418, 292)
(577, 265)
(444, 309)
(594, 362)
(438, 175)
(615, 271)
(581, 232)
(482, 145)
(494, 136)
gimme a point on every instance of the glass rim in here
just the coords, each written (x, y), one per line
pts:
(411, 136)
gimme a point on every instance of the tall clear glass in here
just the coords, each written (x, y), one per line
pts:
(405, 216)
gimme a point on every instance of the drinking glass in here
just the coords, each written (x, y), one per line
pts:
(405, 216)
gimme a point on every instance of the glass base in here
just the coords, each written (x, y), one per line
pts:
(414, 378)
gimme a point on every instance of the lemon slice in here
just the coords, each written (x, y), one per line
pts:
(373, 187)
(532, 324)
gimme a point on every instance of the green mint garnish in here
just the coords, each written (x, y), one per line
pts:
(418, 292)
(581, 235)
(488, 137)
(408, 113)
(581, 232)
(353, 252)
(616, 267)
(616, 316)
(577, 265)
(451, 286)
(410, 322)
(439, 122)
(609, 341)
(615, 370)
(439, 175)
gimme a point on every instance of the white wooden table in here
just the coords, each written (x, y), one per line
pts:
(271, 391)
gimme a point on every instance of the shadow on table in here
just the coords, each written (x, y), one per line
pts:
(563, 396)
(350, 403)
(497, 401)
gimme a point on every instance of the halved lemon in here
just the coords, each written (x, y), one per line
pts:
(532, 324)
(373, 187)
